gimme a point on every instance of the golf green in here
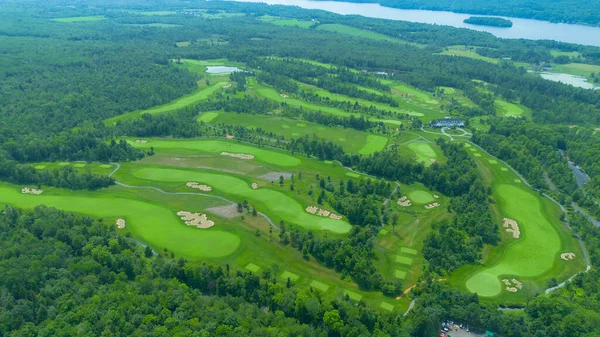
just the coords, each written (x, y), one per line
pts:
(277, 202)
(403, 260)
(353, 296)
(319, 286)
(156, 225)
(208, 116)
(252, 267)
(374, 143)
(423, 151)
(218, 146)
(409, 251)
(287, 274)
(535, 251)
(386, 306)
(400, 274)
(420, 197)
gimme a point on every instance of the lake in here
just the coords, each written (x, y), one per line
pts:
(576, 81)
(221, 69)
(521, 29)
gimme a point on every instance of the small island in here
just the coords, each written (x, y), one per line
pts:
(489, 21)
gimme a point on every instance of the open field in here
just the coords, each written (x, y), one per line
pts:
(351, 140)
(81, 18)
(218, 146)
(531, 258)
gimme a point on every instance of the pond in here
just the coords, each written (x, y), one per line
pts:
(221, 69)
(576, 81)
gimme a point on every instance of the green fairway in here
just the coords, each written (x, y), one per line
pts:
(386, 306)
(252, 267)
(420, 197)
(477, 154)
(39, 167)
(353, 296)
(277, 202)
(353, 175)
(404, 260)
(80, 18)
(207, 116)
(400, 274)
(409, 251)
(157, 225)
(79, 165)
(218, 146)
(507, 109)
(493, 161)
(287, 274)
(504, 169)
(423, 151)
(105, 166)
(63, 164)
(533, 254)
(319, 286)
(374, 143)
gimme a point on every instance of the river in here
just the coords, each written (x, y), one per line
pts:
(521, 29)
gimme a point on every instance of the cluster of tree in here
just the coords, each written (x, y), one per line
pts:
(488, 21)
(357, 123)
(64, 177)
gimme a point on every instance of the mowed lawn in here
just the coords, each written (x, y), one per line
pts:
(276, 202)
(218, 146)
(535, 251)
(158, 226)
(423, 151)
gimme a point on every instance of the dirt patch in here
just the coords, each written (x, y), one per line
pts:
(229, 211)
(275, 175)
(238, 155)
(432, 205)
(194, 184)
(27, 190)
(404, 201)
(323, 212)
(195, 219)
(567, 256)
(120, 223)
(512, 227)
(141, 141)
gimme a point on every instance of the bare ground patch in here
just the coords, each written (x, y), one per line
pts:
(275, 175)
(229, 211)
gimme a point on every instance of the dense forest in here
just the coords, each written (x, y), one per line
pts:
(488, 21)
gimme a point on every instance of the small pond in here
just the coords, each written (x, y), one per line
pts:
(221, 69)
(576, 81)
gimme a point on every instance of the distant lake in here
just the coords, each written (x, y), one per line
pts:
(576, 81)
(521, 29)
(221, 69)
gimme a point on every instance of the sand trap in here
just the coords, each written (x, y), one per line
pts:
(514, 227)
(517, 284)
(513, 285)
(229, 211)
(27, 190)
(322, 212)
(254, 186)
(567, 256)
(228, 85)
(238, 155)
(194, 184)
(506, 282)
(512, 289)
(195, 219)
(228, 136)
(432, 160)
(436, 196)
(141, 141)
(404, 201)
(432, 205)
(120, 223)
(284, 95)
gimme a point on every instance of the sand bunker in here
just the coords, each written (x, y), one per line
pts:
(120, 223)
(27, 190)
(436, 196)
(322, 212)
(506, 282)
(513, 285)
(514, 227)
(567, 256)
(141, 141)
(404, 202)
(195, 219)
(432, 160)
(512, 289)
(432, 205)
(238, 155)
(284, 95)
(228, 85)
(517, 284)
(228, 136)
(254, 186)
(194, 184)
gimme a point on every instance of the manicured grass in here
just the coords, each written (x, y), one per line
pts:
(477, 154)
(277, 202)
(409, 251)
(353, 175)
(79, 165)
(533, 254)
(157, 225)
(420, 197)
(493, 161)
(507, 109)
(287, 274)
(404, 260)
(218, 146)
(207, 116)
(39, 167)
(80, 18)
(353, 296)
(517, 181)
(63, 164)
(386, 306)
(374, 144)
(423, 152)
(105, 166)
(400, 274)
(319, 286)
(252, 267)
(383, 232)
(504, 169)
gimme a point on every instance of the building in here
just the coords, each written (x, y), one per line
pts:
(447, 122)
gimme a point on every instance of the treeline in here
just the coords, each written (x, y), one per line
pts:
(64, 177)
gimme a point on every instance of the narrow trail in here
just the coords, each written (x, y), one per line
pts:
(185, 193)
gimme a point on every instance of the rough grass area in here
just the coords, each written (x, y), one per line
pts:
(79, 165)
(275, 201)
(319, 286)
